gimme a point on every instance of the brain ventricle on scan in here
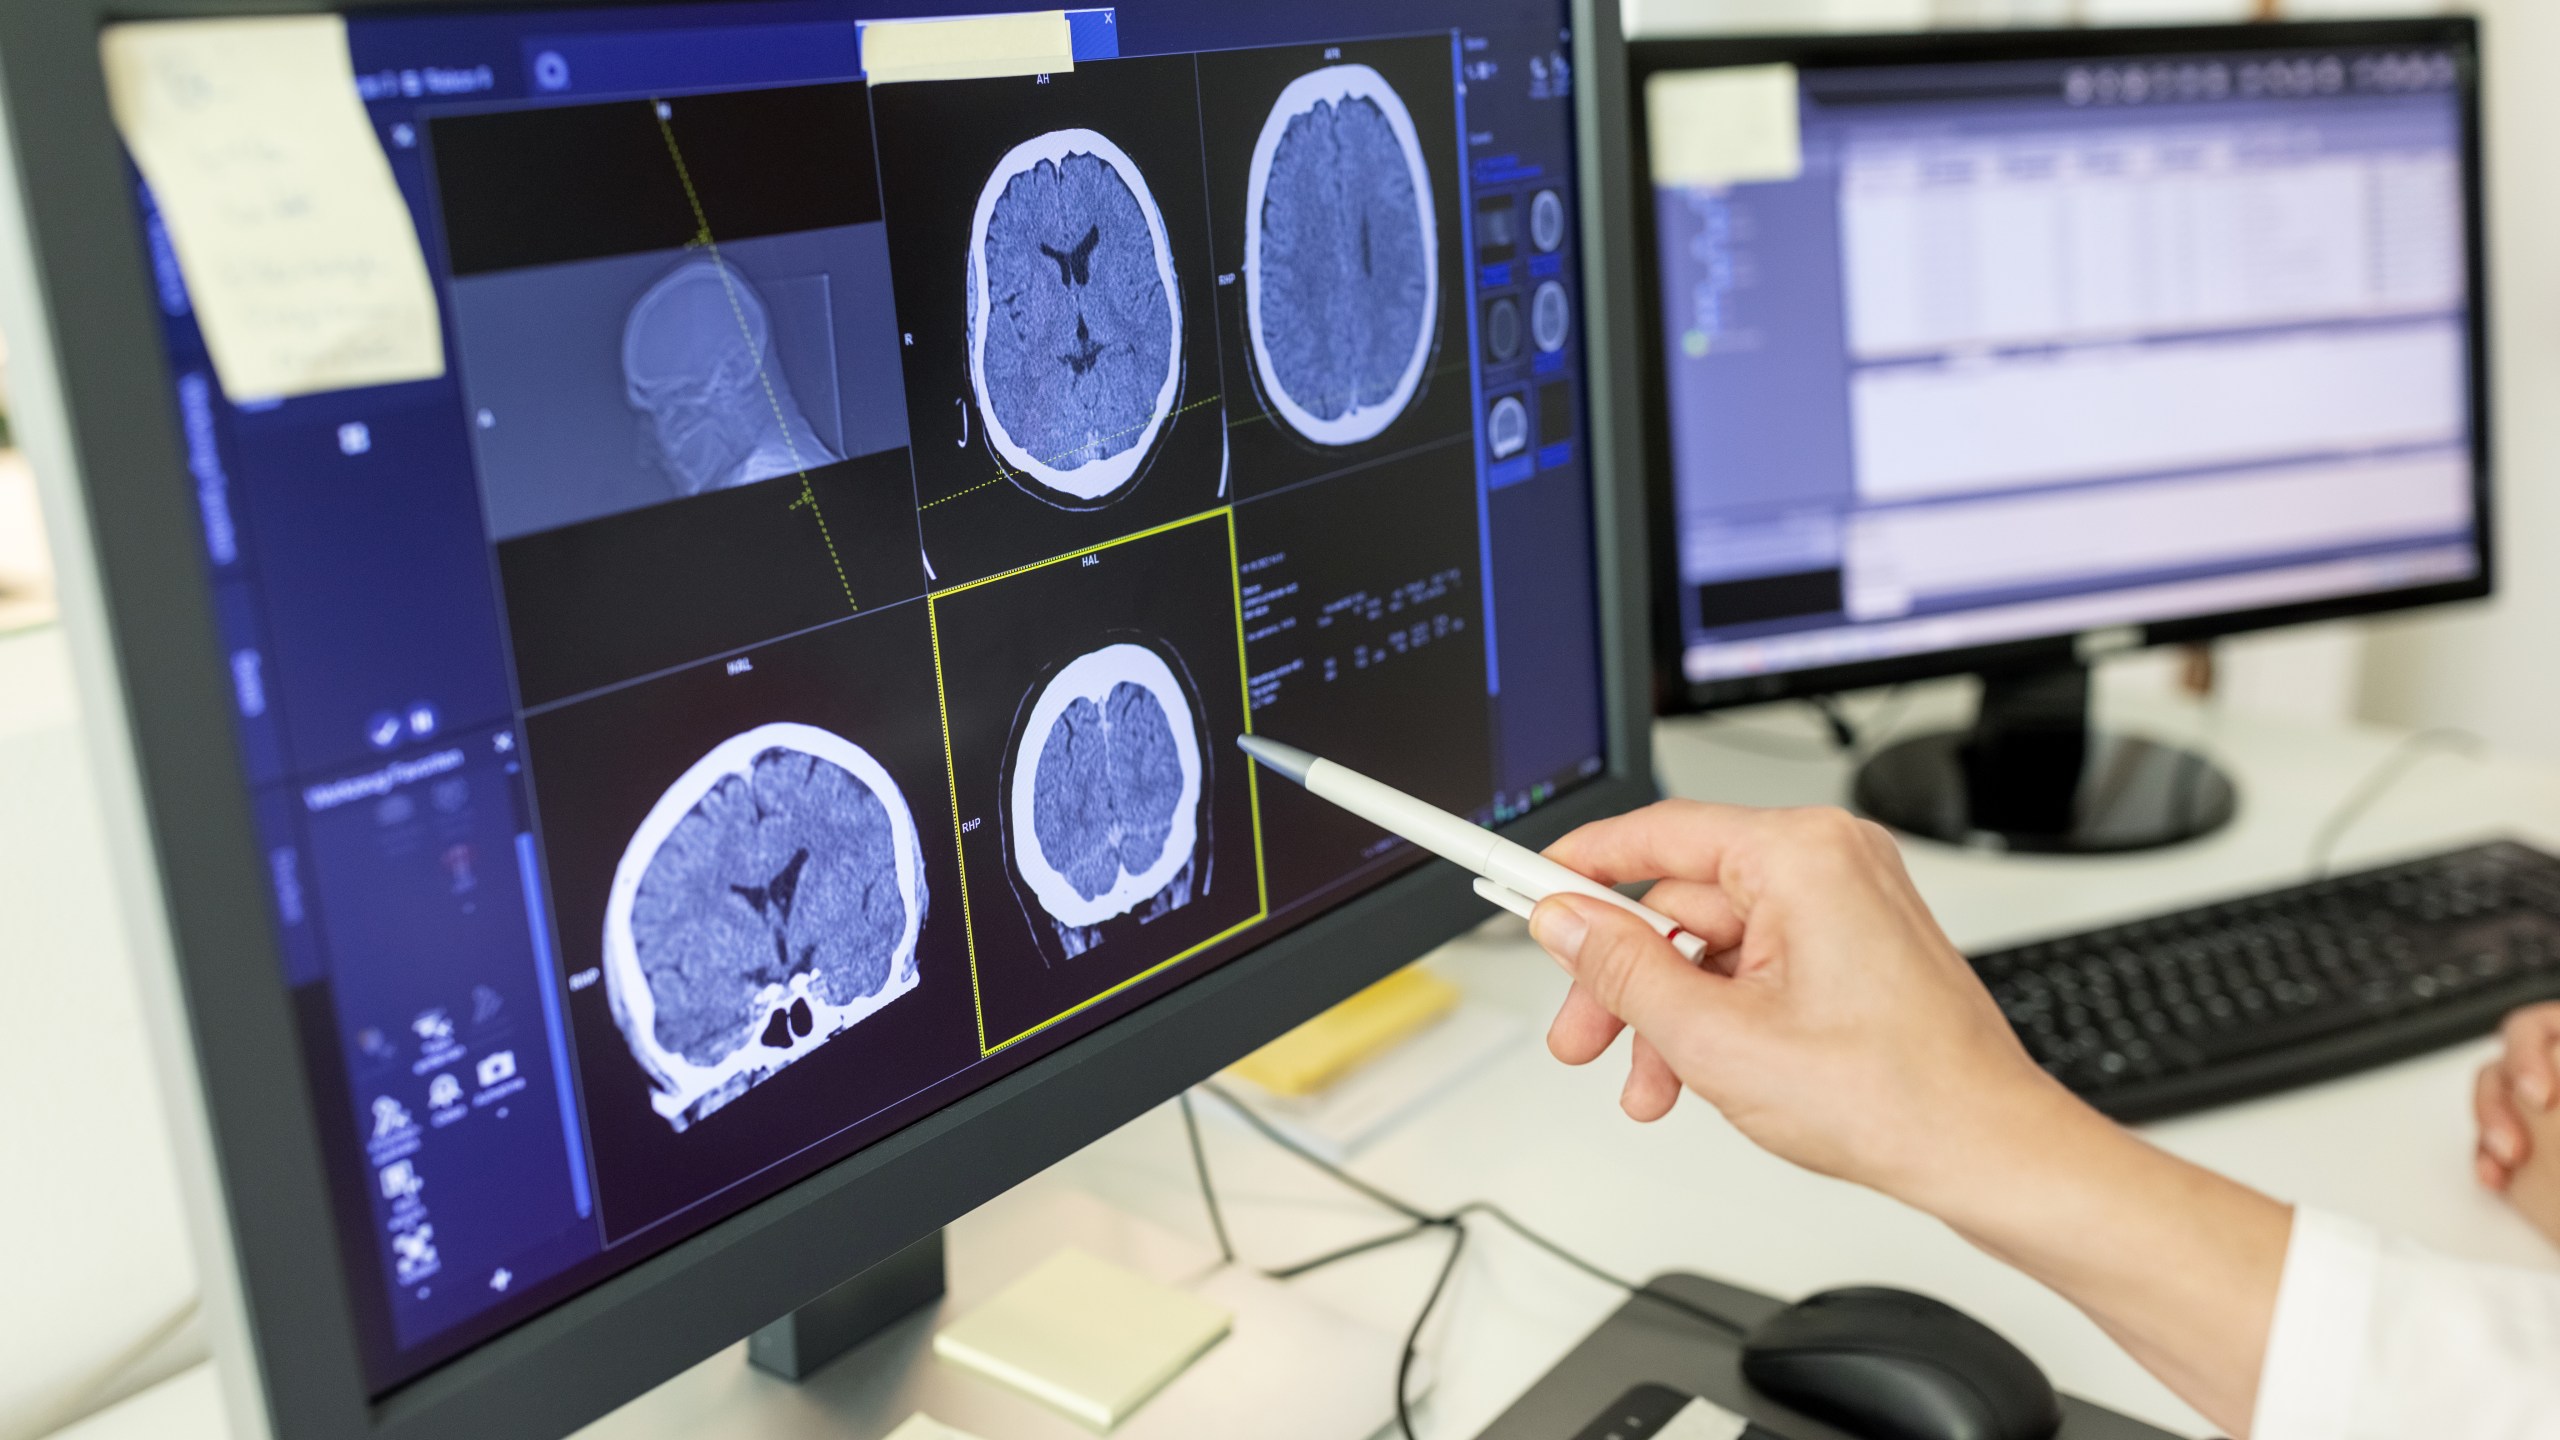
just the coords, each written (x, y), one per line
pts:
(1075, 316)
(1342, 267)
(769, 903)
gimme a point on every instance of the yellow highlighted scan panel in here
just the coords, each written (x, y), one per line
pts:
(1108, 827)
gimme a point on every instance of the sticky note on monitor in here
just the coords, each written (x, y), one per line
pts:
(301, 260)
(1085, 1337)
(972, 47)
(1728, 126)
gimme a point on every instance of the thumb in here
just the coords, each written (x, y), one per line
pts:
(1620, 962)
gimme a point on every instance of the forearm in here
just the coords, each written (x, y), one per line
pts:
(2180, 1265)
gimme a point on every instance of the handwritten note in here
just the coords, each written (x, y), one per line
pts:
(299, 254)
(974, 47)
(1724, 127)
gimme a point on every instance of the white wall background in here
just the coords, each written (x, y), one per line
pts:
(2491, 668)
(2486, 668)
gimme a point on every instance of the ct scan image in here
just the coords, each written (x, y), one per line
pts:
(756, 891)
(1074, 372)
(611, 385)
(1102, 809)
(1050, 252)
(1106, 818)
(769, 903)
(1341, 243)
(700, 368)
(1334, 202)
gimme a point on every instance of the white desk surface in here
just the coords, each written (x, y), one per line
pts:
(89, 1225)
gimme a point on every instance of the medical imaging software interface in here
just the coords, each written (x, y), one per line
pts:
(2021, 349)
(785, 673)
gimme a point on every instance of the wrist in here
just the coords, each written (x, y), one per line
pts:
(1993, 1167)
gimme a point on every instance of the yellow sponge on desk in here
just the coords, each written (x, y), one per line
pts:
(1321, 1051)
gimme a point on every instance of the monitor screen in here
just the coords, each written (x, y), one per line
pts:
(1958, 355)
(784, 674)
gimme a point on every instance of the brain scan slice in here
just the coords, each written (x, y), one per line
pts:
(1342, 256)
(1507, 427)
(698, 366)
(1546, 221)
(1075, 315)
(1106, 786)
(1550, 316)
(770, 902)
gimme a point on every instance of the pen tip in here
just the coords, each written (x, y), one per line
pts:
(1286, 759)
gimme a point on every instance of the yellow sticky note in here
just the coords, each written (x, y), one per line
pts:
(1085, 1337)
(973, 47)
(1724, 127)
(299, 254)
(1332, 1044)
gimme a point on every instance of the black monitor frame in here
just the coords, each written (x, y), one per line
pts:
(1675, 693)
(95, 413)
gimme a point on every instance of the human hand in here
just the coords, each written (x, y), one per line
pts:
(2514, 1103)
(1836, 1026)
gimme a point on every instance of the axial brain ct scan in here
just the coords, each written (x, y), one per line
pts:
(770, 902)
(1106, 790)
(1075, 319)
(698, 358)
(1342, 255)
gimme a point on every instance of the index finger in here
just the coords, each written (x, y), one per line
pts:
(1667, 840)
(2529, 1035)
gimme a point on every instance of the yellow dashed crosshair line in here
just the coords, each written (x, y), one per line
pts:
(1003, 474)
(808, 498)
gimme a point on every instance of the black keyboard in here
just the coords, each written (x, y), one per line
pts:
(2235, 999)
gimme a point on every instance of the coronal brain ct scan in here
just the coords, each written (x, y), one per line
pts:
(1075, 320)
(1341, 255)
(784, 676)
(769, 903)
(1106, 793)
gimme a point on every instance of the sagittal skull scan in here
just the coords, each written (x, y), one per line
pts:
(1075, 316)
(769, 903)
(1106, 787)
(698, 365)
(1342, 256)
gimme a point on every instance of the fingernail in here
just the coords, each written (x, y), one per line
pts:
(2537, 1091)
(1560, 929)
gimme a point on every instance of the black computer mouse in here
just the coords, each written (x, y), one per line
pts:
(1891, 1365)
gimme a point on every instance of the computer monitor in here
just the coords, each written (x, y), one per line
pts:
(2000, 352)
(683, 736)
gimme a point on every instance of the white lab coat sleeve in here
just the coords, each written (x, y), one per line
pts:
(2379, 1339)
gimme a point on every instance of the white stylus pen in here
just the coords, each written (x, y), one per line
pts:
(1514, 877)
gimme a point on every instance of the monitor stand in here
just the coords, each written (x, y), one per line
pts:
(878, 1329)
(803, 1342)
(2031, 775)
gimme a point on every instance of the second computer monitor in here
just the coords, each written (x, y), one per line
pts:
(1974, 349)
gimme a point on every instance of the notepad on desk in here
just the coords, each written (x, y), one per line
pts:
(1085, 1337)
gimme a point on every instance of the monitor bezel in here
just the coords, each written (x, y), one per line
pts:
(1675, 692)
(96, 416)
